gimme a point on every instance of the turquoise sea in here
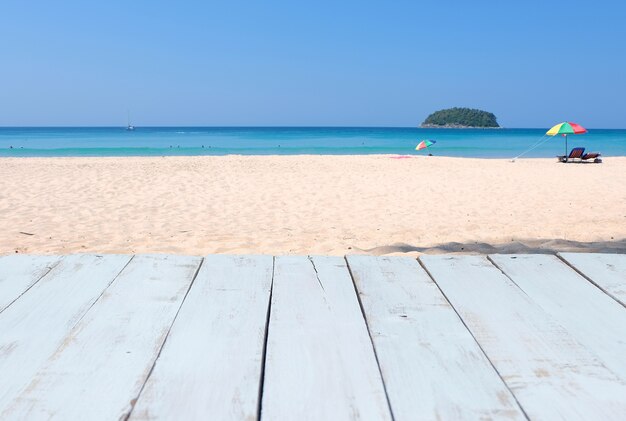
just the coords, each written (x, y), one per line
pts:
(158, 141)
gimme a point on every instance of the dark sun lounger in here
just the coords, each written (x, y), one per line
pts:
(579, 155)
(595, 156)
(575, 154)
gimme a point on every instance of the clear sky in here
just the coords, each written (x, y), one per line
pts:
(311, 63)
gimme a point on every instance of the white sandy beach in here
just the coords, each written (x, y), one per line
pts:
(308, 205)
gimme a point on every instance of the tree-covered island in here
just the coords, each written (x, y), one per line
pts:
(461, 118)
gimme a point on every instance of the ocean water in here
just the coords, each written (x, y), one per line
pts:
(159, 141)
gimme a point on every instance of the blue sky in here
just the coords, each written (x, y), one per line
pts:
(336, 63)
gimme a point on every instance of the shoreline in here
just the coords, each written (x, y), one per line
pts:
(455, 126)
(373, 155)
(309, 204)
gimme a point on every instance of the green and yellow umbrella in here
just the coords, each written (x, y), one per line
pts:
(566, 128)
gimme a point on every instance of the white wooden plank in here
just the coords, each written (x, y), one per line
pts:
(432, 366)
(593, 318)
(19, 272)
(320, 364)
(549, 372)
(607, 271)
(210, 365)
(101, 366)
(35, 325)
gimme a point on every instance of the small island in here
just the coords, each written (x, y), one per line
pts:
(461, 118)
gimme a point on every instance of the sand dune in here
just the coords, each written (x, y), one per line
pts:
(308, 205)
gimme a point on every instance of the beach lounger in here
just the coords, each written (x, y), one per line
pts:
(575, 154)
(592, 155)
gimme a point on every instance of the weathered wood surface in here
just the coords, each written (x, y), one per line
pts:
(607, 271)
(210, 365)
(34, 327)
(20, 272)
(100, 368)
(107, 337)
(432, 367)
(320, 364)
(593, 318)
(550, 373)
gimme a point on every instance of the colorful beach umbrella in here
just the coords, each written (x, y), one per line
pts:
(425, 144)
(566, 128)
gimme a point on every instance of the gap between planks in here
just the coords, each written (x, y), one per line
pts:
(590, 278)
(134, 400)
(474, 338)
(267, 331)
(369, 333)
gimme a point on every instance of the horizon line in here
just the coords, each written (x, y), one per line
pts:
(282, 127)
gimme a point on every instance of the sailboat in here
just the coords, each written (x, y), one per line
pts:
(129, 127)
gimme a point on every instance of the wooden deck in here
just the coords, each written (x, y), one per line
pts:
(111, 337)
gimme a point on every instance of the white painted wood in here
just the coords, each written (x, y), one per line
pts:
(210, 365)
(607, 271)
(320, 363)
(36, 325)
(101, 366)
(432, 366)
(593, 318)
(549, 372)
(19, 272)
